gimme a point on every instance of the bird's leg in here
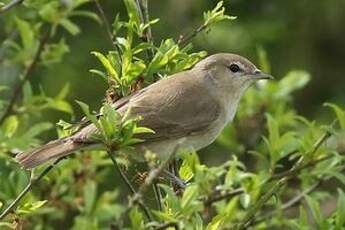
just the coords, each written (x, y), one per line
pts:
(177, 183)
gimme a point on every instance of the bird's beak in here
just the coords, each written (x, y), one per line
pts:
(260, 75)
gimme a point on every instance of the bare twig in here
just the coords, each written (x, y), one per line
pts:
(33, 180)
(142, 7)
(136, 199)
(176, 181)
(300, 165)
(128, 183)
(119, 170)
(153, 174)
(292, 202)
(10, 5)
(158, 196)
(26, 75)
(251, 214)
(111, 35)
(212, 199)
(184, 39)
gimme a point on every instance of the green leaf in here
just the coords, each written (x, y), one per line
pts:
(216, 15)
(340, 214)
(99, 73)
(90, 193)
(10, 125)
(245, 200)
(137, 219)
(107, 65)
(294, 80)
(87, 14)
(28, 208)
(189, 199)
(27, 93)
(61, 105)
(138, 130)
(339, 112)
(315, 209)
(87, 113)
(71, 27)
(49, 11)
(26, 33)
(53, 53)
(132, 11)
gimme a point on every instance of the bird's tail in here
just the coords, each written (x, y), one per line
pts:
(52, 150)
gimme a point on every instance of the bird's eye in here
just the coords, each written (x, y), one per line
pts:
(234, 68)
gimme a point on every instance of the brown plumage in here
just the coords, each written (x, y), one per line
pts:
(194, 105)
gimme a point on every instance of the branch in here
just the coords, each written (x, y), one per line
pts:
(292, 202)
(184, 39)
(142, 7)
(227, 195)
(300, 165)
(10, 5)
(111, 36)
(28, 187)
(176, 181)
(26, 75)
(128, 183)
(151, 177)
(251, 214)
(136, 199)
(158, 196)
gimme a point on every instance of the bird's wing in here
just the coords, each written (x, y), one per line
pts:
(175, 107)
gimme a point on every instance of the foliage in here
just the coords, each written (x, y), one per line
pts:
(290, 157)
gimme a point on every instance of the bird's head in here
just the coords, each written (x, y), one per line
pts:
(231, 71)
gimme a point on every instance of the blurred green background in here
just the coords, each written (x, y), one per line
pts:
(307, 35)
(301, 34)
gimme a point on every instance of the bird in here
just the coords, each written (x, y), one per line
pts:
(194, 105)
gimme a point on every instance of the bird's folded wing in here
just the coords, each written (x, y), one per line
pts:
(174, 108)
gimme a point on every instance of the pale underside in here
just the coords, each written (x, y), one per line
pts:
(173, 109)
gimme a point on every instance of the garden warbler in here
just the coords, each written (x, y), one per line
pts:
(193, 105)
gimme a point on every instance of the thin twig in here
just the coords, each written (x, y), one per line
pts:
(128, 183)
(184, 39)
(292, 202)
(33, 180)
(122, 174)
(111, 35)
(158, 196)
(251, 214)
(26, 75)
(212, 199)
(10, 5)
(149, 180)
(295, 170)
(176, 181)
(151, 177)
(295, 200)
(142, 7)
(300, 165)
